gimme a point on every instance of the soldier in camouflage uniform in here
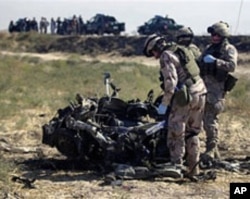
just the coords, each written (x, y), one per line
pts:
(184, 97)
(185, 37)
(216, 62)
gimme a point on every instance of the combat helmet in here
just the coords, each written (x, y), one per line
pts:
(153, 42)
(221, 28)
(184, 36)
(184, 32)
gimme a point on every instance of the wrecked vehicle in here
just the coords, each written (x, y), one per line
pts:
(126, 139)
(109, 130)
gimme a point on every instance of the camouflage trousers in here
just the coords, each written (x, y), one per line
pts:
(210, 121)
(185, 123)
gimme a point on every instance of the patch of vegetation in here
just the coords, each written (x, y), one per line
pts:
(28, 83)
(124, 45)
(6, 167)
(238, 99)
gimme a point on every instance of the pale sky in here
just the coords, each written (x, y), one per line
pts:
(197, 14)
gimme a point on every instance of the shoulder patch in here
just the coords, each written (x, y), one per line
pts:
(231, 53)
(231, 50)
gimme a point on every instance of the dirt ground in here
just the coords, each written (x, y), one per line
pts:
(25, 146)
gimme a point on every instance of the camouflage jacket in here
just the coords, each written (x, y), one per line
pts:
(215, 74)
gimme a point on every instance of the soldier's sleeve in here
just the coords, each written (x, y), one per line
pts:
(170, 77)
(229, 60)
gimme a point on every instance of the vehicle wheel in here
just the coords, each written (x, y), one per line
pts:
(100, 31)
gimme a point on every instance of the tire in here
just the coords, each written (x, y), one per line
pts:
(100, 31)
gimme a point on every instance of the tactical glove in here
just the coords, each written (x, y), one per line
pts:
(162, 109)
(209, 59)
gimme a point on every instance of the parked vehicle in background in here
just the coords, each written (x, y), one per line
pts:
(100, 24)
(159, 25)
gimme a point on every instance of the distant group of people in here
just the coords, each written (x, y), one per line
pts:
(67, 26)
(194, 87)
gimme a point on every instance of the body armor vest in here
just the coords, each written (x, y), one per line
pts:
(188, 62)
(210, 68)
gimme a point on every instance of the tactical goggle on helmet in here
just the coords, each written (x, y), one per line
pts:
(151, 43)
(221, 28)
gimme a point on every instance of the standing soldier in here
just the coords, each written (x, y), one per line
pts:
(183, 99)
(185, 37)
(216, 62)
